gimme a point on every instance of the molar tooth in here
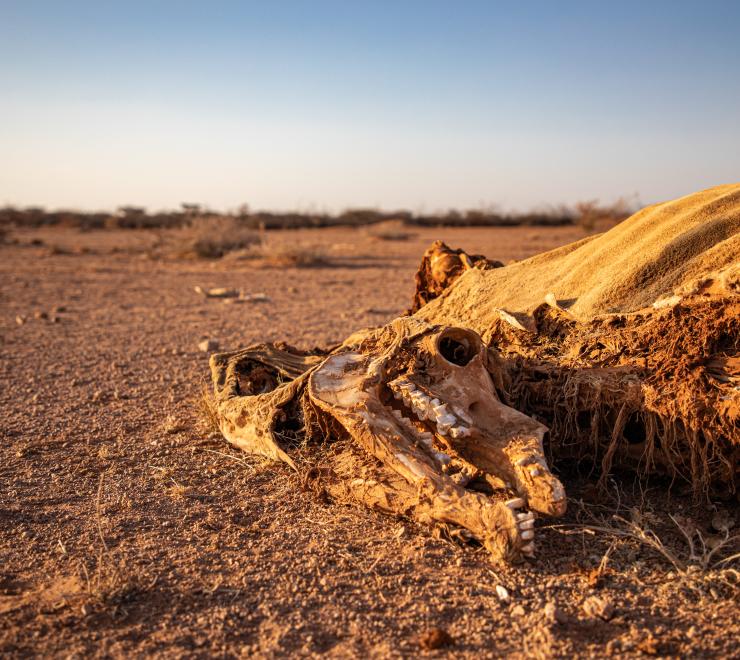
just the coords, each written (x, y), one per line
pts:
(529, 515)
(528, 534)
(459, 432)
(440, 410)
(515, 503)
(526, 524)
(435, 402)
(528, 549)
(446, 420)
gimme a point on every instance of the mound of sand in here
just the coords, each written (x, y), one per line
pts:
(661, 250)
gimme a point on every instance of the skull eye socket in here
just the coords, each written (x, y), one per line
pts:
(458, 346)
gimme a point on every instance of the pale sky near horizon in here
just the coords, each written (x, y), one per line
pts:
(327, 105)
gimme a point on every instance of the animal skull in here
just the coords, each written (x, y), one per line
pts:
(421, 400)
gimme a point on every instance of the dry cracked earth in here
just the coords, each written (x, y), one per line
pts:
(127, 528)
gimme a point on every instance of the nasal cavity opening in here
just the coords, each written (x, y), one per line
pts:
(458, 346)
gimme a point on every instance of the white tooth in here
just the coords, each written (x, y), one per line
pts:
(459, 432)
(529, 515)
(446, 420)
(526, 524)
(435, 403)
(442, 458)
(515, 503)
(440, 410)
(528, 549)
(528, 534)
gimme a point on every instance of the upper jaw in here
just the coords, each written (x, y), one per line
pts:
(444, 429)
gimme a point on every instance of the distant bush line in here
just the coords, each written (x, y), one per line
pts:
(131, 217)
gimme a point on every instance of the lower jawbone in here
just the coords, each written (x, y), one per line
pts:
(467, 453)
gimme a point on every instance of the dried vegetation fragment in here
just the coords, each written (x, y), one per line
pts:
(441, 416)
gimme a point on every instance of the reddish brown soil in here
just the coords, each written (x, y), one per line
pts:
(127, 529)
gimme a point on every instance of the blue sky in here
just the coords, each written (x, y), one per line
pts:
(326, 105)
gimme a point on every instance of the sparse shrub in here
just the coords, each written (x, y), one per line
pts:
(589, 213)
(391, 230)
(214, 236)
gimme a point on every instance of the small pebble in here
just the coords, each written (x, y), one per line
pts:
(208, 345)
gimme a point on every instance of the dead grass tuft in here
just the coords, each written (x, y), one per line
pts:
(206, 413)
(680, 542)
(281, 255)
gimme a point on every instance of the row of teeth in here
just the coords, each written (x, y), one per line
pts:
(525, 525)
(425, 407)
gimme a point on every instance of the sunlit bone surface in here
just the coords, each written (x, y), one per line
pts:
(416, 407)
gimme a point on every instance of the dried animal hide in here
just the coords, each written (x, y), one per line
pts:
(440, 267)
(440, 416)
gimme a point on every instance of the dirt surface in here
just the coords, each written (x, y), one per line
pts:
(128, 528)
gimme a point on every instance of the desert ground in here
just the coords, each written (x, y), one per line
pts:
(129, 528)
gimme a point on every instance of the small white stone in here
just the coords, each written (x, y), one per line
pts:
(208, 345)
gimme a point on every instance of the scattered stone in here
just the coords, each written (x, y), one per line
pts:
(649, 645)
(40, 315)
(256, 297)
(598, 607)
(208, 345)
(502, 593)
(553, 614)
(20, 320)
(434, 638)
(517, 610)
(173, 425)
(217, 292)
